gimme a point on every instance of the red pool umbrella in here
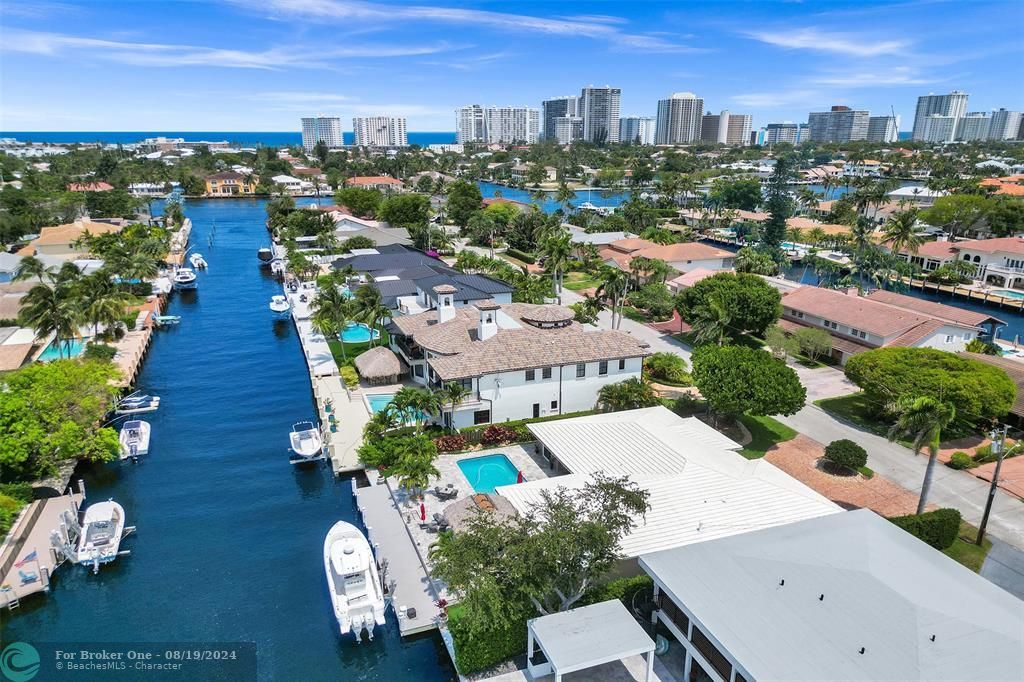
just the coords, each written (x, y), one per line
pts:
(423, 512)
(519, 477)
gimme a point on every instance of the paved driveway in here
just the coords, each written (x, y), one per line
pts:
(823, 382)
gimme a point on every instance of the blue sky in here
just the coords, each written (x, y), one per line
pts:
(236, 65)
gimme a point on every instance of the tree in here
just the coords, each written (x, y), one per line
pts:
(320, 152)
(100, 301)
(464, 200)
(813, 342)
(743, 194)
(981, 392)
(564, 196)
(587, 310)
(405, 210)
(557, 253)
(332, 311)
(1005, 216)
(756, 262)
(846, 454)
(752, 303)
(957, 213)
(711, 321)
(415, 465)
(360, 200)
(736, 380)
(901, 232)
(666, 367)
(51, 310)
(453, 393)
(630, 394)
(542, 561)
(923, 418)
(779, 343)
(778, 203)
(614, 285)
(30, 267)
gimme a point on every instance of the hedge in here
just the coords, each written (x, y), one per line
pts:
(938, 528)
(845, 453)
(961, 460)
(522, 422)
(521, 255)
(622, 589)
(474, 653)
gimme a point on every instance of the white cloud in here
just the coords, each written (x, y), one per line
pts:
(824, 41)
(778, 99)
(158, 54)
(898, 75)
(590, 26)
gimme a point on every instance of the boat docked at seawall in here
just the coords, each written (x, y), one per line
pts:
(197, 261)
(265, 254)
(99, 539)
(137, 403)
(280, 305)
(306, 443)
(184, 278)
(354, 582)
(134, 439)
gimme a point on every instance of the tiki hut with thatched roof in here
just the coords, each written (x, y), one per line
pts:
(380, 366)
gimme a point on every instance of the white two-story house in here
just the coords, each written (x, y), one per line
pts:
(516, 360)
(882, 319)
(998, 261)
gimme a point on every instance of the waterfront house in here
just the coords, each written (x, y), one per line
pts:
(700, 487)
(998, 261)
(63, 241)
(99, 186)
(382, 183)
(847, 596)
(1011, 185)
(517, 360)
(921, 197)
(230, 183)
(293, 186)
(682, 257)
(880, 320)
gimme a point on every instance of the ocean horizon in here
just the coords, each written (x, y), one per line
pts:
(244, 139)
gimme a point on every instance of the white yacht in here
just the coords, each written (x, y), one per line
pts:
(307, 445)
(280, 305)
(265, 254)
(101, 534)
(353, 580)
(134, 439)
(277, 267)
(197, 261)
(136, 404)
(184, 278)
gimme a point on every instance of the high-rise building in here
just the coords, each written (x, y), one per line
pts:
(469, 124)
(322, 128)
(726, 128)
(502, 125)
(840, 124)
(555, 108)
(794, 133)
(1004, 125)
(939, 128)
(679, 119)
(568, 129)
(639, 129)
(379, 131)
(973, 126)
(599, 109)
(954, 104)
(883, 128)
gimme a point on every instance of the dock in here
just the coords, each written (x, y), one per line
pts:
(28, 543)
(343, 415)
(972, 293)
(407, 578)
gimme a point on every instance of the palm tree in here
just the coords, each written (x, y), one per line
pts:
(30, 267)
(426, 403)
(711, 322)
(557, 253)
(100, 301)
(332, 311)
(453, 394)
(51, 310)
(565, 195)
(614, 285)
(901, 232)
(415, 466)
(923, 419)
(815, 236)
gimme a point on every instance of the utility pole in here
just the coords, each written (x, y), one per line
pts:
(999, 447)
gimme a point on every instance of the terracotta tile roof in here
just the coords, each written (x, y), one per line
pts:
(445, 289)
(937, 310)
(545, 314)
(13, 356)
(624, 250)
(859, 312)
(371, 180)
(225, 175)
(940, 250)
(1007, 244)
(692, 277)
(65, 234)
(1013, 368)
(90, 187)
(1012, 185)
(630, 245)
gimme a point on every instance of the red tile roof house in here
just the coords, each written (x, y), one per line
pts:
(882, 319)
(381, 182)
(999, 261)
(680, 257)
(90, 187)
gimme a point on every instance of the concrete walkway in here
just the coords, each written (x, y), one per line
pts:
(1004, 566)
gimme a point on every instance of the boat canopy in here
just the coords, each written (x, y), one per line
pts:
(346, 557)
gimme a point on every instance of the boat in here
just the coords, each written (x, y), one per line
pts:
(164, 320)
(354, 582)
(136, 404)
(277, 267)
(265, 254)
(184, 278)
(307, 445)
(197, 261)
(102, 530)
(134, 439)
(279, 304)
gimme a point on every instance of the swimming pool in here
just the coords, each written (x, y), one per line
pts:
(69, 349)
(1009, 293)
(357, 332)
(488, 472)
(379, 401)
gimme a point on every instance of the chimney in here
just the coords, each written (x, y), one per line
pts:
(488, 320)
(852, 291)
(445, 302)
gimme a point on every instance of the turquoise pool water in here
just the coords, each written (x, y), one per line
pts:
(379, 402)
(1009, 293)
(358, 333)
(488, 472)
(69, 349)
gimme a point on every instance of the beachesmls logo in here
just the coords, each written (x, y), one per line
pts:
(19, 662)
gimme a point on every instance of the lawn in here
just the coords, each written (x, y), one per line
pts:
(354, 350)
(965, 552)
(765, 432)
(854, 408)
(575, 281)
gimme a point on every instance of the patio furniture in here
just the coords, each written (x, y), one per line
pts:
(27, 578)
(483, 501)
(449, 492)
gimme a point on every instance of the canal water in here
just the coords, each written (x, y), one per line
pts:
(230, 536)
(596, 196)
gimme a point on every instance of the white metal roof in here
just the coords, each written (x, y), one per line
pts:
(590, 636)
(800, 601)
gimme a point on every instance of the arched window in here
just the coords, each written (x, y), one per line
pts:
(977, 259)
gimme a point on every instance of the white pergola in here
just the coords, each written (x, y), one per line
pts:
(586, 637)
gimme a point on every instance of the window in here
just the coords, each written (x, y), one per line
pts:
(719, 662)
(531, 374)
(673, 613)
(581, 369)
(545, 373)
(602, 367)
(554, 404)
(418, 370)
(466, 384)
(797, 314)
(481, 417)
(829, 325)
(858, 333)
(949, 338)
(622, 364)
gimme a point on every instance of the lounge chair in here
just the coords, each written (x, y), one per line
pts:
(27, 578)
